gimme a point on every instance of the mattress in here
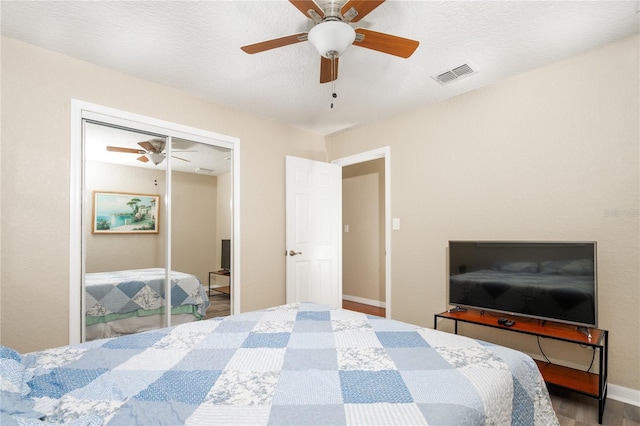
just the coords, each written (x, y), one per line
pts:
(288, 365)
(116, 295)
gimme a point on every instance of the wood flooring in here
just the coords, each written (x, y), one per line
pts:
(573, 409)
(365, 309)
(220, 305)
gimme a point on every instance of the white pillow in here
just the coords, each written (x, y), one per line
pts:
(517, 267)
(578, 267)
(13, 375)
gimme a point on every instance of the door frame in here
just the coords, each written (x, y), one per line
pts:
(375, 154)
(81, 110)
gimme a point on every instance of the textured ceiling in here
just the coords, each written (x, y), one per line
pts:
(195, 47)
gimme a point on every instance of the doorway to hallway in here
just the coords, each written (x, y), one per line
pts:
(366, 230)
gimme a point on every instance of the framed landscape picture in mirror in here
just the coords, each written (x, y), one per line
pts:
(125, 213)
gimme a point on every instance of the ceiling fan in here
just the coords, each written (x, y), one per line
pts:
(332, 34)
(152, 149)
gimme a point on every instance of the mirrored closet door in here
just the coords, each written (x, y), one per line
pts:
(157, 222)
(201, 218)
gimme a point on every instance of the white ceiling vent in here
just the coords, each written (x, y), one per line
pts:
(456, 73)
(203, 170)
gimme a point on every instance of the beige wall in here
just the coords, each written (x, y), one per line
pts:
(122, 251)
(194, 221)
(363, 260)
(223, 224)
(552, 154)
(194, 200)
(37, 88)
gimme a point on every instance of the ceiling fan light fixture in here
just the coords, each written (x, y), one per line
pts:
(155, 157)
(332, 38)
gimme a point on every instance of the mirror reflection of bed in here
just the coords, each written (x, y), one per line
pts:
(125, 272)
(130, 301)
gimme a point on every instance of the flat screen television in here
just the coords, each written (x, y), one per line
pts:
(555, 281)
(225, 255)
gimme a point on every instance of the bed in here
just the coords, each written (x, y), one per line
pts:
(130, 301)
(293, 364)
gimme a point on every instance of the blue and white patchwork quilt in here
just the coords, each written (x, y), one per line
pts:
(296, 364)
(120, 294)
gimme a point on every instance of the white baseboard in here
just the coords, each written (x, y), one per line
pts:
(371, 302)
(622, 394)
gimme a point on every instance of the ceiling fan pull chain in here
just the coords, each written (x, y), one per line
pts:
(334, 95)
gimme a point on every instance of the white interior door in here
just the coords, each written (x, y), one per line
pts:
(313, 238)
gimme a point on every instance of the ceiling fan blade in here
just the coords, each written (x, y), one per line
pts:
(328, 69)
(363, 7)
(386, 43)
(178, 158)
(274, 43)
(148, 146)
(143, 158)
(305, 5)
(127, 150)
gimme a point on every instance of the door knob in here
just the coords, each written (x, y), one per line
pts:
(293, 253)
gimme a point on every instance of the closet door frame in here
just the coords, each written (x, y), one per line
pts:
(81, 111)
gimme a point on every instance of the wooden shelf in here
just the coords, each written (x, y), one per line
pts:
(586, 383)
(549, 329)
(225, 289)
(579, 381)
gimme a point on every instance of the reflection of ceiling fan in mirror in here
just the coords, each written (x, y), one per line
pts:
(153, 150)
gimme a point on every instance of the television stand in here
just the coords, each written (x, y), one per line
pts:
(579, 381)
(586, 331)
(222, 290)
